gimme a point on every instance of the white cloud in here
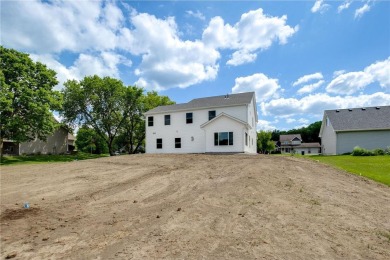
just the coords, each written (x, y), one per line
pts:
(265, 125)
(103, 64)
(167, 61)
(310, 87)
(319, 6)
(255, 31)
(241, 57)
(344, 6)
(362, 10)
(307, 78)
(264, 87)
(314, 105)
(60, 25)
(352, 82)
(196, 14)
(338, 73)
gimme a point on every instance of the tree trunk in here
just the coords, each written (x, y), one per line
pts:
(1, 147)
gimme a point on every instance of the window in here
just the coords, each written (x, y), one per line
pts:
(159, 143)
(223, 138)
(246, 139)
(189, 118)
(327, 121)
(177, 142)
(211, 114)
(150, 121)
(167, 119)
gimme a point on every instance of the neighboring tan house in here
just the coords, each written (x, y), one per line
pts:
(293, 143)
(60, 142)
(204, 125)
(343, 129)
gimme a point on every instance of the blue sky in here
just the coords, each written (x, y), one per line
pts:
(300, 57)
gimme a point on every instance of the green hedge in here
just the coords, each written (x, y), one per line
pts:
(358, 151)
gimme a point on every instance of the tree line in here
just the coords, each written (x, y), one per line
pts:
(109, 114)
(266, 139)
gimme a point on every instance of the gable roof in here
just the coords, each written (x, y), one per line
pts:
(228, 116)
(284, 138)
(207, 102)
(356, 119)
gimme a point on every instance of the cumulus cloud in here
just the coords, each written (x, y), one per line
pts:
(362, 10)
(314, 105)
(60, 25)
(319, 6)
(264, 87)
(310, 87)
(344, 6)
(102, 64)
(241, 57)
(255, 31)
(352, 82)
(196, 14)
(307, 78)
(168, 61)
(265, 125)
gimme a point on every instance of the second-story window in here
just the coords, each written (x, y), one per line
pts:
(211, 114)
(189, 118)
(150, 121)
(167, 119)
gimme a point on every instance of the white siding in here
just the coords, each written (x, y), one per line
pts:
(252, 133)
(328, 138)
(307, 150)
(225, 124)
(346, 141)
(192, 136)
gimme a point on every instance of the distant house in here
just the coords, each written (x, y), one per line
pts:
(293, 143)
(220, 124)
(61, 141)
(343, 129)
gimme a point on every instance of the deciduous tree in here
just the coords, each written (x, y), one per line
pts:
(27, 98)
(97, 103)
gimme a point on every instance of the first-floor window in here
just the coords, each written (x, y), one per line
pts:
(159, 143)
(223, 138)
(246, 139)
(177, 142)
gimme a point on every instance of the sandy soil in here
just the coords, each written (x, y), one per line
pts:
(192, 207)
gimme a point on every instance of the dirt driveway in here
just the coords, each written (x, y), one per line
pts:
(192, 207)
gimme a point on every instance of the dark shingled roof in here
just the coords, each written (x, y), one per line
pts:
(283, 138)
(207, 102)
(369, 118)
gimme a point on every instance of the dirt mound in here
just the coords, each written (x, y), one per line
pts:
(192, 207)
(13, 214)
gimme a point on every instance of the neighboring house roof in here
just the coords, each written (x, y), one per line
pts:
(228, 116)
(357, 119)
(207, 102)
(309, 145)
(284, 138)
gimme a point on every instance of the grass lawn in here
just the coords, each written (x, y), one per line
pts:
(29, 159)
(374, 167)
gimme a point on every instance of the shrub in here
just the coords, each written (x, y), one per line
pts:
(358, 151)
(378, 152)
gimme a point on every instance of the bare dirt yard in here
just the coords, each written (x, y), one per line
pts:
(192, 207)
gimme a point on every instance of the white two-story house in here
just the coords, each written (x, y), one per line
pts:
(221, 124)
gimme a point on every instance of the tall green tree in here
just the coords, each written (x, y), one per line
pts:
(90, 142)
(264, 142)
(97, 103)
(27, 98)
(137, 103)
